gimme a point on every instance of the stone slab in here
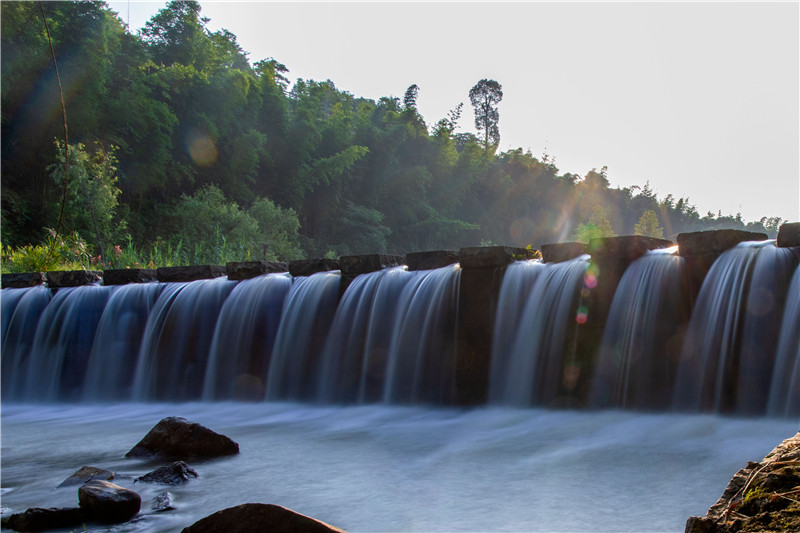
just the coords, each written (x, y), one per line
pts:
(562, 251)
(23, 280)
(239, 270)
(490, 256)
(714, 242)
(189, 273)
(431, 260)
(123, 276)
(72, 278)
(789, 235)
(362, 264)
(307, 267)
(627, 247)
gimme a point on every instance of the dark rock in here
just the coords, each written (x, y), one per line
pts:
(189, 273)
(626, 247)
(162, 502)
(87, 473)
(174, 474)
(562, 251)
(490, 256)
(239, 270)
(72, 278)
(39, 519)
(307, 267)
(177, 438)
(256, 517)
(105, 502)
(788, 235)
(714, 242)
(431, 260)
(362, 264)
(123, 276)
(22, 280)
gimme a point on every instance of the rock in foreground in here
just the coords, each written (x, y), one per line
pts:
(259, 517)
(175, 474)
(177, 438)
(87, 473)
(40, 519)
(762, 496)
(109, 503)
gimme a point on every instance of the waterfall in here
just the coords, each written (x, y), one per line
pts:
(243, 340)
(177, 341)
(784, 398)
(356, 330)
(305, 321)
(528, 363)
(63, 342)
(728, 355)
(421, 361)
(21, 310)
(643, 336)
(116, 345)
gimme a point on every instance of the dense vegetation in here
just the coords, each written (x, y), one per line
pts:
(181, 150)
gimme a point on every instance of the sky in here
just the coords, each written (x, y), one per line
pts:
(700, 100)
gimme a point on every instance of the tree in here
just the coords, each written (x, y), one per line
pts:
(597, 227)
(410, 98)
(648, 225)
(484, 97)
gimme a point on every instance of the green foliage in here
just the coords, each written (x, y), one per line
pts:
(598, 226)
(484, 97)
(648, 225)
(55, 252)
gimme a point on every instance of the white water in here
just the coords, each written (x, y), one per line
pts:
(378, 468)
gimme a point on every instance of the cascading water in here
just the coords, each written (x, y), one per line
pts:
(245, 333)
(421, 362)
(784, 398)
(359, 317)
(21, 310)
(728, 355)
(643, 335)
(117, 341)
(63, 343)
(172, 360)
(306, 319)
(528, 370)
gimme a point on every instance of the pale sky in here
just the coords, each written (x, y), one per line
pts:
(700, 99)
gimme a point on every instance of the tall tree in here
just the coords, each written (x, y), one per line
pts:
(484, 97)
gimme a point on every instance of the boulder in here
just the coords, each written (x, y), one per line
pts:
(239, 270)
(108, 503)
(788, 235)
(87, 473)
(490, 256)
(123, 276)
(189, 273)
(177, 438)
(39, 519)
(175, 474)
(72, 278)
(307, 267)
(760, 497)
(22, 280)
(562, 251)
(258, 517)
(431, 260)
(162, 502)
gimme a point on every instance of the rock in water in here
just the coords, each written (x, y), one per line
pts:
(109, 503)
(174, 474)
(163, 502)
(259, 517)
(177, 438)
(87, 473)
(39, 519)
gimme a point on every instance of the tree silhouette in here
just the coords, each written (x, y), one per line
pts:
(484, 97)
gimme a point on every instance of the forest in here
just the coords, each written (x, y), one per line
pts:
(173, 148)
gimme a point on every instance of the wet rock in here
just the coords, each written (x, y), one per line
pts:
(490, 256)
(789, 235)
(108, 503)
(87, 473)
(123, 276)
(362, 264)
(562, 251)
(72, 278)
(714, 242)
(760, 497)
(40, 519)
(177, 438)
(175, 474)
(255, 517)
(189, 273)
(22, 280)
(239, 270)
(162, 502)
(307, 267)
(431, 260)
